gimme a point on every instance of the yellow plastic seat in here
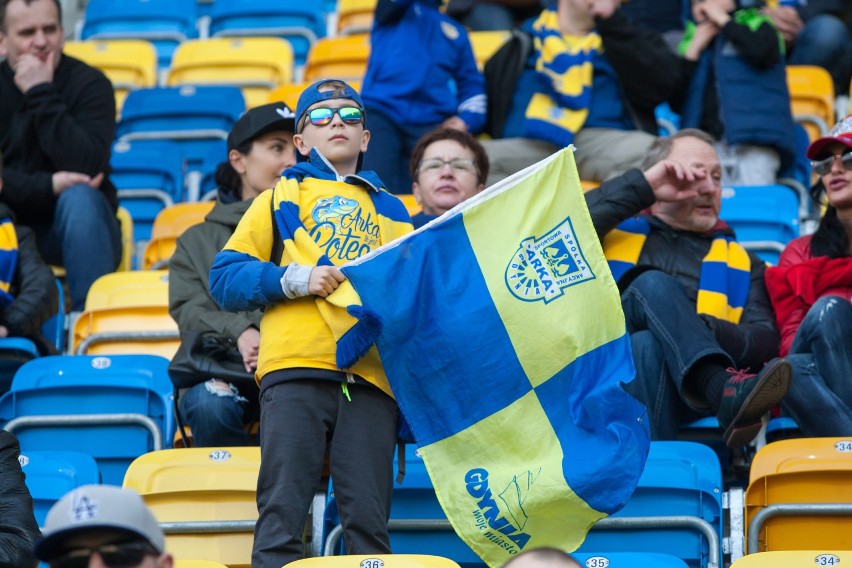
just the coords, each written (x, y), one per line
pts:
(342, 57)
(127, 312)
(126, 225)
(800, 471)
(184, 563)
(201, 484)
(128, 64)
(255, 64)
(376, 560)
(410, 203)
(486, 43)
(811, 98)
(168, 225)
(795, 559)
(287, 93)
(355, 16)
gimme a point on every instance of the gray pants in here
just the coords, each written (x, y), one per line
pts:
(298, 421)
(602, 153)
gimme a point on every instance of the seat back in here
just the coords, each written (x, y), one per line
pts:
(355, 16)
(127, 312)
(800, 471)
(288, 93)
(52, 474)
(376, 561)
(165, 23)
(794, 559)
(255, 64)
(170, 224)
(128, 244)
(628, 560)
(184, 563)
(410, 203)
(112, 408)
(811, 98)
(342, 57)
(486, 43)
(128, 64)
(201, 484)
(761, 215)
(300, 23)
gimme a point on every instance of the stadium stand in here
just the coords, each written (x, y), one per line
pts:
(52, 474)
(254, 64)
(377, 560)
(183, 563)
(799, 496)
(127, 312)
(287, 93)
(811, 98)
(169, 224)
(165, 23)
(794, 559)
(355, 16)
(125, 222)
(204, 499)
(128, 64)
(765, 218)
(300, 23)
(112, 408)
(343, 57)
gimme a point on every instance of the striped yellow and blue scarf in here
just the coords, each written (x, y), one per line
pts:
(565, 67)
(725, 271)
(8, 260)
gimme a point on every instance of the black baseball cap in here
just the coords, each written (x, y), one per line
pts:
(257, 121)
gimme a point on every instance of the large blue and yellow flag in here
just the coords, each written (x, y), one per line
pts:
(502, 336)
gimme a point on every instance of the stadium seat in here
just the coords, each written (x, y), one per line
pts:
(793, 485)
(52, 474)
(201, 485)
(125, 222)
(300, 23)
(168, 226)
(112, 408)
(343, 57)
(288, 93)
(485, 44)
(628, 560)
(165, 23)
(198, 118)
(811, 98)
(765, 218)
(782, 428)
(376, 561)
(355, 16)
(795, 559)
(184, 563)
(149, 176)
(127, 312)
(410, 203)
(254, 64)
(128, 64)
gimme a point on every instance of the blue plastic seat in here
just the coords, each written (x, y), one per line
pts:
(52, 474)
(198, 118)
(114, 408)
(628, 560)
(165, 23)
(765, 217)
(299, 22)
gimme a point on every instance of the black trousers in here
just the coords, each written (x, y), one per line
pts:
(300, 419)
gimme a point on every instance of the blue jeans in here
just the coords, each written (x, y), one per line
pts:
(84, 238)
(216, 417)
(825, 41)
(820, 395)
(668, 338)
(391, 144)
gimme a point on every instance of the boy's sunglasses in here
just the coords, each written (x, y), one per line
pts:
(822, 167)
(127, 555)
(322, 115)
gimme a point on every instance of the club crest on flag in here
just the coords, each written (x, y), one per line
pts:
(542, 268)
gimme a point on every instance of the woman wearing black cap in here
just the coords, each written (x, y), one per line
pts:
(811, 289)
(260, 147)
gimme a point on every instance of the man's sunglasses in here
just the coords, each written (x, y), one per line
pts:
(822, 167)
(127, 555)
(322, 115)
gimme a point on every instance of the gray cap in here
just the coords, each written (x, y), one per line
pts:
(94, 508)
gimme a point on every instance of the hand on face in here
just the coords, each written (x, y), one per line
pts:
(673, 181)
(32, 70)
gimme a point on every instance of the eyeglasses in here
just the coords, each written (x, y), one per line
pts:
(322, 115)
(127, 555)
(822, 167)
(459, 165)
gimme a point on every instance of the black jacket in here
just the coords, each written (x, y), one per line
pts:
(66, 125)
(751, 342)
(18, 527)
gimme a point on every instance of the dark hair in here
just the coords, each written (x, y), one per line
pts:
(463, 138)
(830, 239)
(5, 3)
(661, 147)
(226, 176)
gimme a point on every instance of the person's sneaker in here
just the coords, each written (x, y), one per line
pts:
(746, 398)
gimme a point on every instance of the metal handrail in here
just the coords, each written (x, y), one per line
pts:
(112, 336)
(792, 510)
(89, 419)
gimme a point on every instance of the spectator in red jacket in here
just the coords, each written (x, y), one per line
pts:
(811, 289)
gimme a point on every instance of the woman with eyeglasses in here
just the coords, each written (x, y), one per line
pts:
(811, 290)
(447, 166)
